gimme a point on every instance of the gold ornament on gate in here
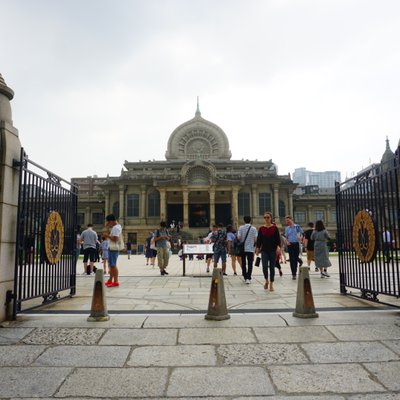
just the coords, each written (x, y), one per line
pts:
(364, 237)
(54, 237)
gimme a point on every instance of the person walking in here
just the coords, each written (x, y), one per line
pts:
(387, 244)
(321, 253)
(104, 252)
(309, 244)
(162, 238)
(129, 249)
(268, 240)
(151, 251)
(247, 234)
(89, 242)
(219, 239)
(231, 237)
(293, 234)
(115, 236)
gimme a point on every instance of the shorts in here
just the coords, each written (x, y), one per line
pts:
(220, 254)
(89, 254)
(112, 258)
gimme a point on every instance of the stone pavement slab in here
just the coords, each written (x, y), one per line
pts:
(84, 356)
(180, 355)
(366, 332)
(216, 335)
(316, 378)
(261, 354)
(348, 352)
(19, 356)
(64, 336)
(115, 383)
(13, 335)
(136, 337)
(27, 382)
(386, 372)
(221, 381)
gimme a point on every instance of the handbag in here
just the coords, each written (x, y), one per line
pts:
(239, 247)
(117, 246)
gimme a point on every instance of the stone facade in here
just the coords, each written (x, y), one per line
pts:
(198, 184)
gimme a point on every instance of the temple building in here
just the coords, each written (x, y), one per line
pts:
(197, 184)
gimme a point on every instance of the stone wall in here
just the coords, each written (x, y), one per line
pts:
(10, 149)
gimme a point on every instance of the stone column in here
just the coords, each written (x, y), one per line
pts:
(254, 212)
(309, 213)
(142, 213)
(10, 149)
(276, 205)
(121, 218)
(88, 216)
(163, 205)
(107, 202)
(185, 194)
(212, 205)
(290, 211)
(235, 211)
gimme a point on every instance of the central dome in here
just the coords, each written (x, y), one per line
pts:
(198, 139)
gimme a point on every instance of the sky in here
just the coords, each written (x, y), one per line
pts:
(306, 83)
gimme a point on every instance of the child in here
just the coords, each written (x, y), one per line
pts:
(104, 252)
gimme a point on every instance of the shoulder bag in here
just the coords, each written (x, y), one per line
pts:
(239, 248)
(118, 245)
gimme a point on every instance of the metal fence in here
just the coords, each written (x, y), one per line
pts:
(45, 262)
(368, 220)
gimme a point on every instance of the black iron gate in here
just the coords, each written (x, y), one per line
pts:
(46, 236)
(368, 219)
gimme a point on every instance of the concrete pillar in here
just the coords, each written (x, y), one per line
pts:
(122, 207)
(163, 205)
(277, 217)
(254, 202)
(142, 214)
(107, 202)
(235, 210)
(290, 211)
(185, 194)
(10, 149)
(212, 206)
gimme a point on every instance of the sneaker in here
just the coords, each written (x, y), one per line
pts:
(248, 281)
(115, 284)
(224, 273)
(162, 272)
(234, 273)
(300, 262)
(165, 272)
(316, 269)
(325, 274)
(322, 276)
(294, 277)
(280, 272)
(208, 269)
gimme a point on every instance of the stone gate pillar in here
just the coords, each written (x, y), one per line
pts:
(10, 149)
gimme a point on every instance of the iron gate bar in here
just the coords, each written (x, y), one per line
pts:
(377, 192)
(35, 275)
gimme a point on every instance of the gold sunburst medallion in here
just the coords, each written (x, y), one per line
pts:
(364, 236)
(54, 237)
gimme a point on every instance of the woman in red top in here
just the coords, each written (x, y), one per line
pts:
(268, 240)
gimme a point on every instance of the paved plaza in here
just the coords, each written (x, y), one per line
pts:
(157, 343)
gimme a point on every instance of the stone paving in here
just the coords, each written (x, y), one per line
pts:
(351, 352)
